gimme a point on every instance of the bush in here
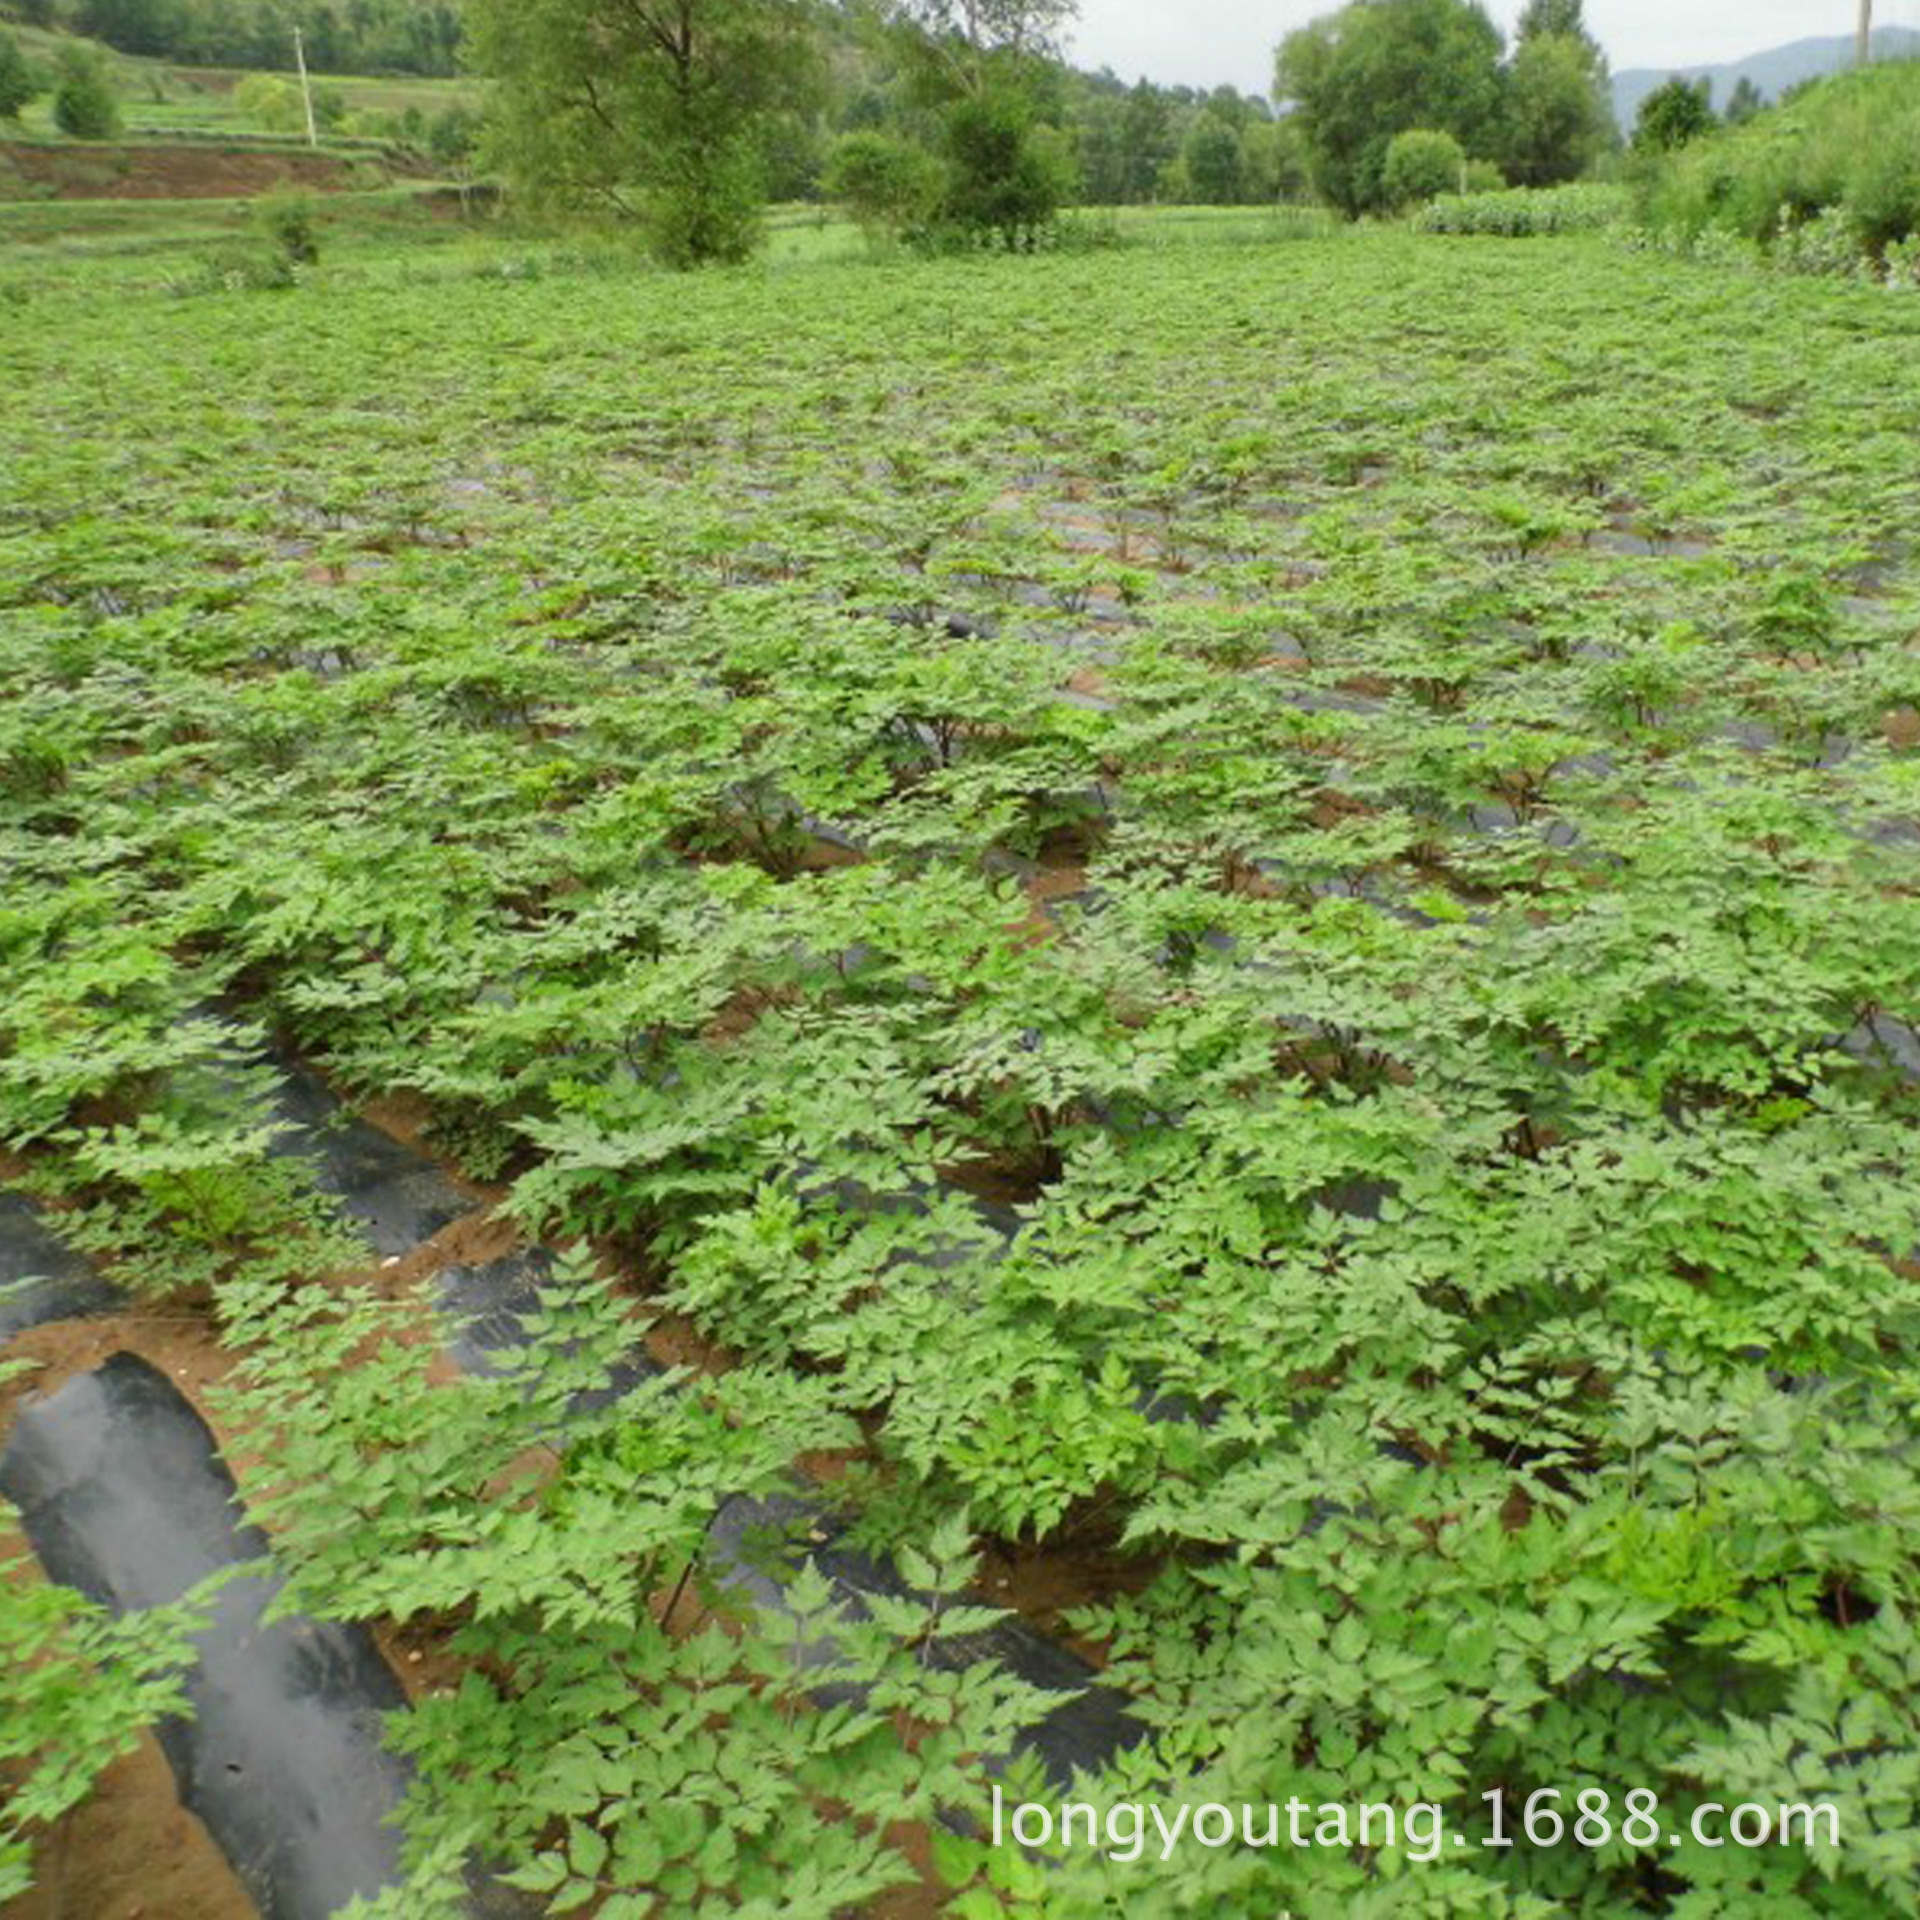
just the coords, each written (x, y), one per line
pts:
(1421, 164)
(269, 103)
(1007, 172)
(84, 107)
(17, 83)
(1522, 212)
(453, 136)
(237, 270)
(286, 222)
(889, 185)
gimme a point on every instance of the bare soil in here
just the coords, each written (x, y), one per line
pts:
(189, 170)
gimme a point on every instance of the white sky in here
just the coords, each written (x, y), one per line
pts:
(1205, 42)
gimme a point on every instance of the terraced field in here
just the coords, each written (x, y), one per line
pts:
(1214, 946)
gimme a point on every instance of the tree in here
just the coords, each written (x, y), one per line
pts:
(1211, 156)
(134, 26)
(982, 66)
(1672, 114)
(1421, 163)
(1018, 26)
(1559, 118)
(1148, 135)
(17, 82)
(84, 107)
(1555, 19)
(270, 103)
(1007, 172)
(1744, 102)
(649, 109)
(1275, 162)
(1380, 67)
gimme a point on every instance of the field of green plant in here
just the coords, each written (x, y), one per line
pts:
(1235, 922)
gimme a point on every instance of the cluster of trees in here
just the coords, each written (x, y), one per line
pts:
(684, 114)
(342, 36)
(1378, 69)
(1148, 143)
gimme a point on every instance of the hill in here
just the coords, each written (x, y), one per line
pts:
(1773, 71)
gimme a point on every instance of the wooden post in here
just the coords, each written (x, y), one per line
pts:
(306, 86)
(1863, 37)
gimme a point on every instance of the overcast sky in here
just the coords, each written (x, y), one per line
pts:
(1203, 42)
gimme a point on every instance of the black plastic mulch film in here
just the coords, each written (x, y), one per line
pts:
(123, 1495)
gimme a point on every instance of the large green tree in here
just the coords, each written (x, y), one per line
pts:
(651, 109)
(1380, 67)
(982, 66)
(1212, 158)
(1559, 119)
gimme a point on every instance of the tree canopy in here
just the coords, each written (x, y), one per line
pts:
(1382, 67)
(1674, 113)
(650, 108)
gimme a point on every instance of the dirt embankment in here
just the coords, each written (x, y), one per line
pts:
(184, 170)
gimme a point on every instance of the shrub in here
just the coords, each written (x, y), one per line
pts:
(286, 222)
(1007, 173)
(889, 185)
(453, 136)
(1420, 165)
(270, 103)
(84, 107)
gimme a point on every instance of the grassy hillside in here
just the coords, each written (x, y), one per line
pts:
(1850, 143)
(159, 97)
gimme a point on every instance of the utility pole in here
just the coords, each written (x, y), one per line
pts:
(306, 85)
(1863, 37)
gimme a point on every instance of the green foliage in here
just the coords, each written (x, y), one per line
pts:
(77, 1688)
(1743, 102)
(1214, 162)
(1559, 117)
(272, 102)
(84, 104)
(890, 186)
(1380, 68)
(643, 113)
(1522, 211)
(1007, 172)
(18, 82)
(1270, 948)
(287, 223)
(1673, 115)
(1844, 147)
(1420, 165)
(372, 36)
(453, 137)
(619, 1767)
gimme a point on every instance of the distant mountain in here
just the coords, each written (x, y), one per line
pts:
(1772, 72)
